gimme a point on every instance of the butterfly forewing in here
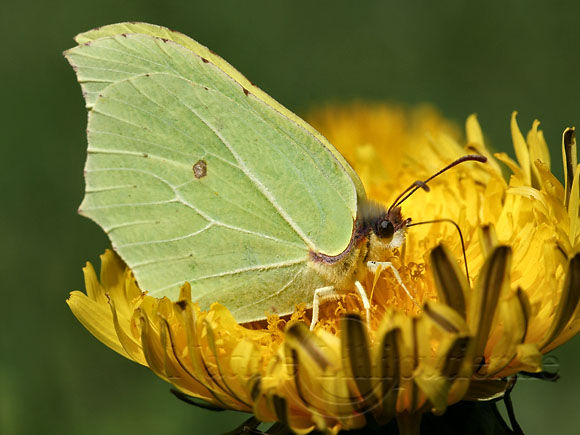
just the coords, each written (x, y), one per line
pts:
(195, 179)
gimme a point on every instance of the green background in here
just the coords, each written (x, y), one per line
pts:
(463, 57)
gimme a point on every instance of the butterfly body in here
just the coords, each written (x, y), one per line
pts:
(198, 176)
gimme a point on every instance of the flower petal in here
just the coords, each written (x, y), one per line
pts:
(112, 270)
(387, 371)
(574, 207)
(97, 319)
(487, 239)
(537, 144)
(356, 360)
(450, 282)
(510, 327)
(319, 379)
(476, 142)
(435, 380)
(521, 149)
(492, 281)
(569, 301)
(131, 344)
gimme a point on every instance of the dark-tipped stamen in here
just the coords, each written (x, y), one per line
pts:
(434, 221)
(423, 184)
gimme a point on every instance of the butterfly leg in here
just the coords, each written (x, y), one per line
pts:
(321, 294)
(375, 265)
(365, 300)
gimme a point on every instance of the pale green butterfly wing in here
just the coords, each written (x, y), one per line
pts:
(240, 234)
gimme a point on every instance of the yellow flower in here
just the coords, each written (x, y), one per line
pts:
(467, 339)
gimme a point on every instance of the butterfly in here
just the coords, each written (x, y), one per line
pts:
(198, 176)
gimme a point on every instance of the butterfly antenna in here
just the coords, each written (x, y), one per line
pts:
(450, 221)
(423, 184)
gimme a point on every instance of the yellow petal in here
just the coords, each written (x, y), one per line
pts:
(93, 287)
(569, 301)
(493, 280)
(451, 285)
(387, 371)
(510, 325)
(356, 360)
(537, 151)
(97, 318)
(112, 270)
(521, 149)
(473, 130)
(574, 206)
(529, 357)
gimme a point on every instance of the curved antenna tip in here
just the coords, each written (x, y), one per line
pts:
(474, 157)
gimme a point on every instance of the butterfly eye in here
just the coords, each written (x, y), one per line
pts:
(385, 228)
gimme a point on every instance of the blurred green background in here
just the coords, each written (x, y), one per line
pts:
(462, 57)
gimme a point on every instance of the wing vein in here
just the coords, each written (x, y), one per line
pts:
(173, 239)
(261, 188)
(155, 144)
(256, 267)
(277, 293)
(179, 199)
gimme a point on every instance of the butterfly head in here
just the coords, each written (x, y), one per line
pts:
(384, 227)
(390, 228)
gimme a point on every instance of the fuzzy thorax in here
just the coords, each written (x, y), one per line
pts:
(377, 232)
